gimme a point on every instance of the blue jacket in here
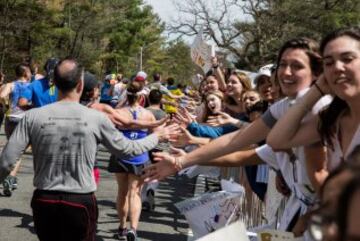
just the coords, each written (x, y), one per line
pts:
(200, 130)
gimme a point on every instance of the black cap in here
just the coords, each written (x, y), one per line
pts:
(50, 65)
(90, 81)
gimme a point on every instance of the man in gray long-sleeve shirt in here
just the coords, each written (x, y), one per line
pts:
(64, 137)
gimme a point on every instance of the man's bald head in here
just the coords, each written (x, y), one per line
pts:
(68, 73)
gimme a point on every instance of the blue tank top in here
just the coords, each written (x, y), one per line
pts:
(18, 90)
(136, 135)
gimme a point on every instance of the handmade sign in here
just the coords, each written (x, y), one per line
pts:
(211, 211)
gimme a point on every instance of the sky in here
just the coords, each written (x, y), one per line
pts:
(167, 11)
(162, 7)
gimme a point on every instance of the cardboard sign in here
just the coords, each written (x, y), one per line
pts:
(275, 235)
(232, 232)
(211, 211)
(208, 171)
(231, 186)
(201, 52)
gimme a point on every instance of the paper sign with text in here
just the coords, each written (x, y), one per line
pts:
(201, 52)
(211, 211)
(233, 232)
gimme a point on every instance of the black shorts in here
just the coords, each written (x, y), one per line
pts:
(60, 216)
(10, 127)
(116, 166)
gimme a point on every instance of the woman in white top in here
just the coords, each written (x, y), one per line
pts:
(338, 125)
(299, 64)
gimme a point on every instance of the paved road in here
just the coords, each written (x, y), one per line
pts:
(162, 224)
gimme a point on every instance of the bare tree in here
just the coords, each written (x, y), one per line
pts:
(253, 30)
(213, 16)
(229, 23)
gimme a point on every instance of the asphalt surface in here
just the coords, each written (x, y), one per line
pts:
(164, 223)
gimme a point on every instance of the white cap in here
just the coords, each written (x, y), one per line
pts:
(141, 76)
(110, 77)
(264, 71)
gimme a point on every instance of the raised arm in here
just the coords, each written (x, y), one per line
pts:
(253, 133)
(239, 158)
(167, 164)
(218, 73)
(121, 146)
(290, 131)
(316, 168)
(235, 141)
(122, 120)
(186, 138)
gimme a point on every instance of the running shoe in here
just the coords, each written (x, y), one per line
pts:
(131, 235)
(7, 187)
(14, 182)
(122, 234)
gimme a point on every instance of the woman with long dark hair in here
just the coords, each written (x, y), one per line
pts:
(338, 125)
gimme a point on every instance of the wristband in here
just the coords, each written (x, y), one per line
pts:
(215, 66)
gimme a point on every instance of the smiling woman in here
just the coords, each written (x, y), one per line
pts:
(339, 123)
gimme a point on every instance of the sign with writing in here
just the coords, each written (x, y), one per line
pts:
(211, 211)
(275, 235)
(234, 232)
(208, 171)
(201, 52)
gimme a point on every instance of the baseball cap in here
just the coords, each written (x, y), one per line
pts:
(49, 67)
(90, 81)
(263, 71)
(140, 76)
(110, 77)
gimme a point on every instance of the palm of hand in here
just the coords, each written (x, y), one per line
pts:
(163, 168)
(181, 140)
(323, 85)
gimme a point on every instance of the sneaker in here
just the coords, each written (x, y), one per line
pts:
(122, 234)
(131, 235)
(14, 182)
(7, 189)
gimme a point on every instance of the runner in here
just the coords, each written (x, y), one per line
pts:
(12, 92)
(64, 147)
(148, 193)
(128, 171)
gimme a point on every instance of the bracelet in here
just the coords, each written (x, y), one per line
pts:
(178, 164)
(319, 89)
(215, 66)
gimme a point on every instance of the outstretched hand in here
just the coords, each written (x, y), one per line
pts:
(183, 117)
(167, 132)
(221, 119)
(183, 138)
(164, 167)
(159, 122)
(177, 152)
